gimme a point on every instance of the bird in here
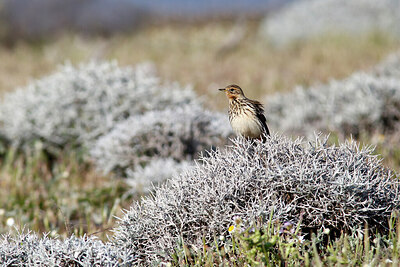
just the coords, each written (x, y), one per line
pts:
(245, 115)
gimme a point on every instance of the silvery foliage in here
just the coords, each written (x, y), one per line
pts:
(309, 18)
(390, 67)
(363, 102)
(27, 249)
(78, 104)
(157, 170)
(179, 133)
(336, 187)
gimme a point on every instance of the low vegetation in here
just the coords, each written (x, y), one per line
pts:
(77, 105)
(283, 244)
(59, 196)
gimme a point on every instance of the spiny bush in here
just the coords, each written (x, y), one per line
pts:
(309, 18)
(27, 249)
(364, 102)
(179, 133)
(336, 187)
(78, 104)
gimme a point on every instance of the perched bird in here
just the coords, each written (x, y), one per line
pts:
(245, 115)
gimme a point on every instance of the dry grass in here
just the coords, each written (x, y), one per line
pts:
(62, 195)
(191, 54)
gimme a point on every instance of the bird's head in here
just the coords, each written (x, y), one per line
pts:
(233, 91)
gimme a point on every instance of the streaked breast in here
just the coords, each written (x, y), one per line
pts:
(246, 125)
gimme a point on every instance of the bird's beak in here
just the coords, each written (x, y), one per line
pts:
(222, 89)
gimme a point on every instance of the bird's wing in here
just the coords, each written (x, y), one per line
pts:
(260, 115)
(263, 121)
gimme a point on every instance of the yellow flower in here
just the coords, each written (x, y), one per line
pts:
(231, 228)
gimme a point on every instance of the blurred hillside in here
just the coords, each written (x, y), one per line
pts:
(222, 43)
(35, 19)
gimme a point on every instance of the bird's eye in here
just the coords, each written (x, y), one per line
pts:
(231, 90)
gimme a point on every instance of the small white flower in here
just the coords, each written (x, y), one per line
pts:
(38, 145)
(65, 174)
(10, 222)
(301, 238)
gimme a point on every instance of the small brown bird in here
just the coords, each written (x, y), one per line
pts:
(245, 115)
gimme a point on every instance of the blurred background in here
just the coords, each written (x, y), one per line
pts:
(263, 45)
(268, 47)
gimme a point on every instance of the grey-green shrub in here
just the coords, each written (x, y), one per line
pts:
(329, 186)
(364, 102)
(79, 104)
(179, 132)
(28, 249)
(143, 179)
(123, 116)
(389, 67)
(305, 19)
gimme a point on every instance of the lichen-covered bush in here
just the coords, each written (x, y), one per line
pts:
(179, 133)
(335, 187)
(78, 104)
(364, 102)
(309, 18)
(27, 249)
